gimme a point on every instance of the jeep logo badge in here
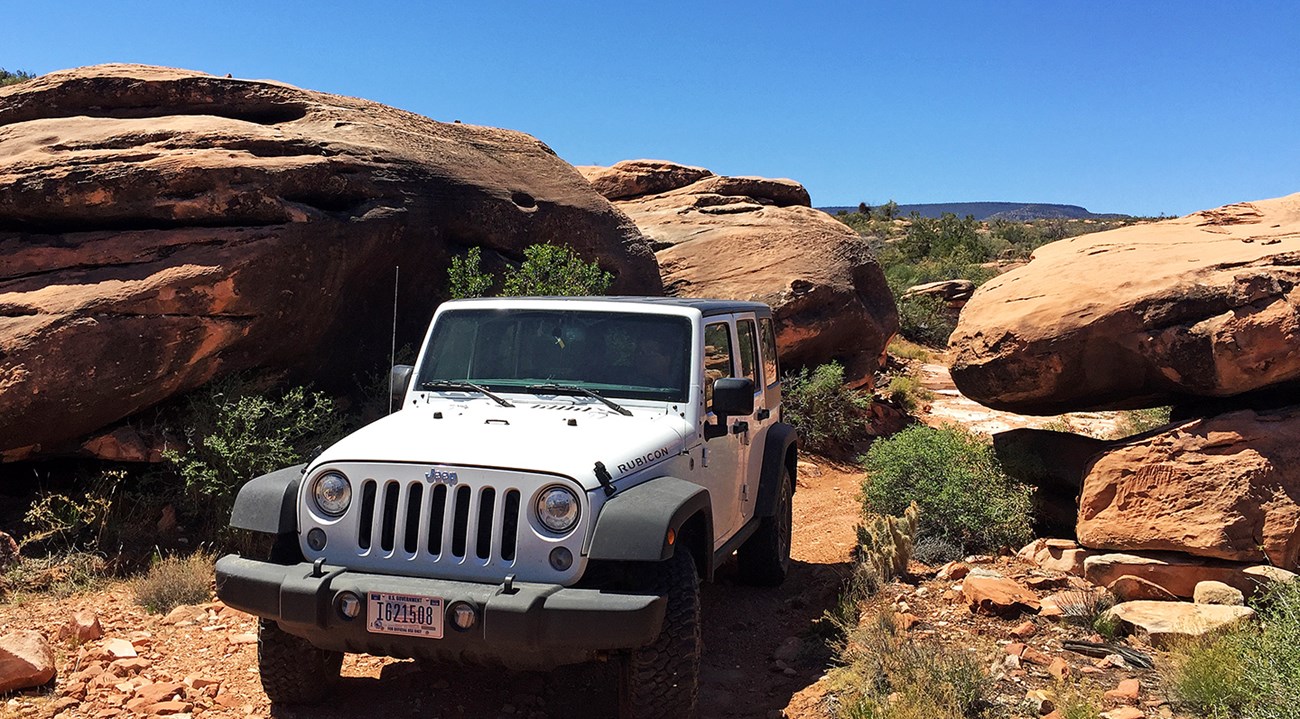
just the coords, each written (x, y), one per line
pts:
(437, 476)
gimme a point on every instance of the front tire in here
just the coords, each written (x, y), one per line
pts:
(662, 680)
(764, 558)
(292, 670)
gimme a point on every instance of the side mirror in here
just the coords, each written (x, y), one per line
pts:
(398, 380)
(731, 396)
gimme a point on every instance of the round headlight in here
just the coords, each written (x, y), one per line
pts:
(333, 493)
(557, 509)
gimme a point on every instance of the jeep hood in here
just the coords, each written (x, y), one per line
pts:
(553, 437)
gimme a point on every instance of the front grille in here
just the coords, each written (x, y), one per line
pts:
(477, 522)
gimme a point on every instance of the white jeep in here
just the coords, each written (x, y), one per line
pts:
(560, 475)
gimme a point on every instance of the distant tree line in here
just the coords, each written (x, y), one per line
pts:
(13, 78)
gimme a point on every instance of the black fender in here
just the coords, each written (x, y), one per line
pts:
(780, 450)
(634, 525)
(269, 503)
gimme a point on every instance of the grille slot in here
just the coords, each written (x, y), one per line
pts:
(391, 492)
(460, 522)
(486, 503)
(367, 513)
(510, 525)
(413, 500)
(437, 513)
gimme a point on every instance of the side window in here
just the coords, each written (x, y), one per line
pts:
(748, 351)
(769, 351)
(717, 358)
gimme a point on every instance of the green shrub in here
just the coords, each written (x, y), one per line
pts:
(547, 271)
(173, 581)
(555, 270)
(829, 416)
(907, 392)
(925, 319)
(954, 477)
(1252, 671)
(234, 434)
(465, 279)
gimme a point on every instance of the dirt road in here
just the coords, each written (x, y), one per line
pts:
(743, 628)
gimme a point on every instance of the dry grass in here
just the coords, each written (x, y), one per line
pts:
(173, 581)
(888, 675)
(59, 575)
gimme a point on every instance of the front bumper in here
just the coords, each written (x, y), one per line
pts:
(533, 626)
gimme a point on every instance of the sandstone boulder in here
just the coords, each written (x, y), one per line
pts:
(950, 291)
(1202, 305)
(998, 596)
(26, 660)
(1179, 574)
(1226, 487)
(634, 178)
(1129, 588)
(160, 228)
(757, 239)
(1211, 592)
(1162, 623)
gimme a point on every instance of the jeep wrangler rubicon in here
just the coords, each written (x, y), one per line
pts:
(560, 475)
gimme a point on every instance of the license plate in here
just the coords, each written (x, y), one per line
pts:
(409, 615)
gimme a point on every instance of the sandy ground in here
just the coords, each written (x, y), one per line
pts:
(743, 628)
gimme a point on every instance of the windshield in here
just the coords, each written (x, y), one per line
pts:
(617, 354)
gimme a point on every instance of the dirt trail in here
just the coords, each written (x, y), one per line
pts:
(949, 406)
(743, 628)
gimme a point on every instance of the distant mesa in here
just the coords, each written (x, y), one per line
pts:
(987, 211)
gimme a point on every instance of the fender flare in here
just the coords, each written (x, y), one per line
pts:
(781, 440)
(634, 524)
(269, 503)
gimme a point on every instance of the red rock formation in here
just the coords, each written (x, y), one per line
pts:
(754, 238)
(1226, 487)
(1203, 305)
(161, 227)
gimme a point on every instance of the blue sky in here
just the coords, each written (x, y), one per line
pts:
(1140, 107)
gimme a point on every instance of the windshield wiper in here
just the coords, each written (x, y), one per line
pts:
(579, 390)
(466, 386)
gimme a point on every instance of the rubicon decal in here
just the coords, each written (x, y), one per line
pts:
(632, 464)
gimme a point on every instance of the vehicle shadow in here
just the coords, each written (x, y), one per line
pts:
(745, 630)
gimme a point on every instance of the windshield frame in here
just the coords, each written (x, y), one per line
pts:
(617, 322)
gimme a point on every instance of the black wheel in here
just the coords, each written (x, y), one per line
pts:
(662, 680)
(764, 558)
(293, 671)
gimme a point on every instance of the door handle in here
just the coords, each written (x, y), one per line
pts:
(763, 414)
(740, 427)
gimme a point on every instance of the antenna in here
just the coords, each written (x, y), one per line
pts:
(392, 350)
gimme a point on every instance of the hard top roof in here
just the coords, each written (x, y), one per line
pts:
(705, 306)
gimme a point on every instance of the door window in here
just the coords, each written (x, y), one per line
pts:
(717, 358)
(769, 352)
(748, 351)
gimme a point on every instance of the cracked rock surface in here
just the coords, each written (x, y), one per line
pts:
(160, 228)
(1206, 305)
